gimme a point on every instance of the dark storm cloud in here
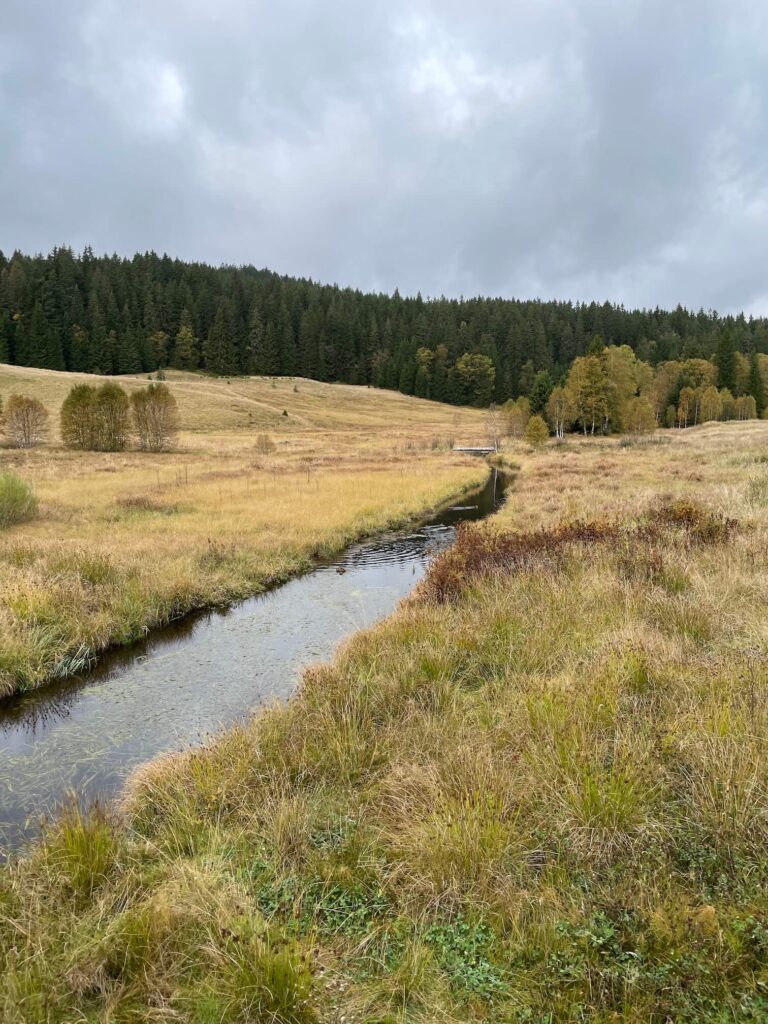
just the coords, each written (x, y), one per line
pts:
(543, 147)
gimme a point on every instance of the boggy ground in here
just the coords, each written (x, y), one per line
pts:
(536, 793)
(125, 542)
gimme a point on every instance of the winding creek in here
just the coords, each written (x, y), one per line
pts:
(84, 736)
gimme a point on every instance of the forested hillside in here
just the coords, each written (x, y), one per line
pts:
(115, 315)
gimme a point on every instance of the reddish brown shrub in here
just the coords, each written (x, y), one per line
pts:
(479, 552)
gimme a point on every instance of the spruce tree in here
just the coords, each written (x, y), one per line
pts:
(81, 356)
(253, 361)
(407, 378)
(308, 341)
(756, 386)
(37, 338)
(288, 351)
(185, 355)
(128, 353)
(53, 351)
(726, 361)
(102, 361)
(541, 389)
(269, 357)
(220, 354)
(5, 337)
(20, 349)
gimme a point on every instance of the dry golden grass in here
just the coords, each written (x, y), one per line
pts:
(587, 477)
(545, 799)
(124, 542)
(210, 404)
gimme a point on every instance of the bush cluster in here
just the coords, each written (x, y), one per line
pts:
(103, 418)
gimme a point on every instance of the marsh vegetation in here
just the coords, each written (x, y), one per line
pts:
(536, 793)
(127, 540)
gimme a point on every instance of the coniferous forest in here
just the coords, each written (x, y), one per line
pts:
(112, 315)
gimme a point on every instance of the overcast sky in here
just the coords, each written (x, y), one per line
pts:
(557, 148)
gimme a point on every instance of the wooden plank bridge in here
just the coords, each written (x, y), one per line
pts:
(476, 449)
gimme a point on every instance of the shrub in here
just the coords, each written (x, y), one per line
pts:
(264, 444)
(95, 419)
(478, 553)
(79, 425)
(17, 500)
(536, 432)
(155, 417)
(111, 408)
(26, 421)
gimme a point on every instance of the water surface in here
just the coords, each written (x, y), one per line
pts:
(184, 682)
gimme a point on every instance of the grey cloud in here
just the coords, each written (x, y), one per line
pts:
(575, 150)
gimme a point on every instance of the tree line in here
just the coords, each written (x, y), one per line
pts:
(96, 418)
(611, 390)
(112, 315)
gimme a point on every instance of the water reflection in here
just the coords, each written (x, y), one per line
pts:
(205, 672)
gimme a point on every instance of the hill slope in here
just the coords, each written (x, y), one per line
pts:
(246, 403)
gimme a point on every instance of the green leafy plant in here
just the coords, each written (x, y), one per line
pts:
(462, 951)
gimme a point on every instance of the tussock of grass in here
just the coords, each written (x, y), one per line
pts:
(17, 500)
(545, 799)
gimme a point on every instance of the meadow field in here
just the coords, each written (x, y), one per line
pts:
(537, 793)
(127, 541)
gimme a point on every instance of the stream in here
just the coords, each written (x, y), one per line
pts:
(85, 735)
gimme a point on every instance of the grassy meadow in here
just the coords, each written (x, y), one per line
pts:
(537, 793)
(123, 542)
